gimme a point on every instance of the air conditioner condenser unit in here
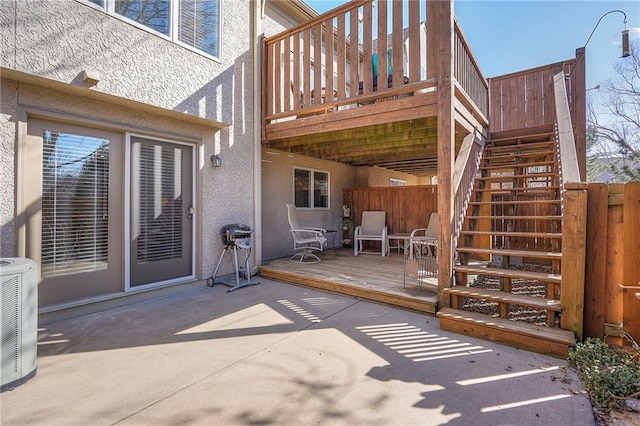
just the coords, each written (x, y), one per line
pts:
(18, 321)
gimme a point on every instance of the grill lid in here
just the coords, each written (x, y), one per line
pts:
(233, 233)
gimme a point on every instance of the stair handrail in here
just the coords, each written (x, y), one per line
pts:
(573, 194)
(568, 158)
(464, 172)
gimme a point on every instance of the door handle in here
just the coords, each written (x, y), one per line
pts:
(192, 211)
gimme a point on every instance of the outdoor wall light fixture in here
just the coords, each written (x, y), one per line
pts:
(91, 77)
(216, 161)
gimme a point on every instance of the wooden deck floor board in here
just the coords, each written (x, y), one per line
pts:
(367, 276)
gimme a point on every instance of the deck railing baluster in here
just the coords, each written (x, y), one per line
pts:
(331, 58)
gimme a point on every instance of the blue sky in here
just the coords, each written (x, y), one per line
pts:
(508, 36)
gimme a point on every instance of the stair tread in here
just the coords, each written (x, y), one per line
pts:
(556, 235)
(527, 146)
(514, 165)
(515, 176)
(539, 135)
(525, 217)
(509, 273)
(523, 189)
(512, 155)
(506, 297)
(553, 334)
(510, 202)
(512, 252)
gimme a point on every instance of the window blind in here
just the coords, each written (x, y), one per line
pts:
(158, 206)
(198, 24)
(75, 204)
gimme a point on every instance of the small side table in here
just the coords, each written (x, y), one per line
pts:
(404, 237)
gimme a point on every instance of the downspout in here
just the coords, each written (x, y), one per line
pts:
(258, 7)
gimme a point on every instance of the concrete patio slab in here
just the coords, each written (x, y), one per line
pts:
(282, 354)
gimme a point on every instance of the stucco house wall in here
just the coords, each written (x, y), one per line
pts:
(277, 187)
(147, 84)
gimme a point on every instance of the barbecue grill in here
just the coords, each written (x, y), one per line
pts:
(235, 236)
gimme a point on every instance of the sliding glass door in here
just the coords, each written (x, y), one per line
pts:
(74, 229)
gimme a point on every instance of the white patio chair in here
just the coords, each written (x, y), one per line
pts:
(430, 232)
(372, 228)
(421, 260)
(305, 239)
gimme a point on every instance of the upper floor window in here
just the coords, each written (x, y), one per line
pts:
(311, 188)
(194, 23)
(397, 182)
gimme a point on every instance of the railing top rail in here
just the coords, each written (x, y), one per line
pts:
(536, 69)
(568, 156)
(353, 4)
(474, 61)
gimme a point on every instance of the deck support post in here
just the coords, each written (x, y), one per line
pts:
(574, 225)
(441, 30)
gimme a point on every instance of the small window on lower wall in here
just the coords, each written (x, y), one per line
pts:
(310, 188)
(397, 182)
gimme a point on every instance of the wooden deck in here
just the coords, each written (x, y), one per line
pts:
(321, 97)
(367, 276)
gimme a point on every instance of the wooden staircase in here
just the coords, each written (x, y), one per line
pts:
(510, 249)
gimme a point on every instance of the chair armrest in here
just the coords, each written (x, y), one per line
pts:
(423, 238)
(356, 231)
(413, 233)
(317, 232)
(311, 228)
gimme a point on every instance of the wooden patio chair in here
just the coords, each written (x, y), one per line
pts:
(305, 239)
(372, 228)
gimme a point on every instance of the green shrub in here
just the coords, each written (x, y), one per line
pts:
(610, 373)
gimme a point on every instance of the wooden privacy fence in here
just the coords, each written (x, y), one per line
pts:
(612, 271)
(407, 207)
(525, 98)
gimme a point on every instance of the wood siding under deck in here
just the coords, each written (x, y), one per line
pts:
(323, 99)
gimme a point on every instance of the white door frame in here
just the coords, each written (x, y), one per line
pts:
(127, 213)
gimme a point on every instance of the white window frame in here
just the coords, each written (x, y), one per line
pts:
(109, 8)
(312, 173)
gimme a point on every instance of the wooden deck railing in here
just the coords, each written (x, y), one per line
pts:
(467, 72)
(355, 55)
